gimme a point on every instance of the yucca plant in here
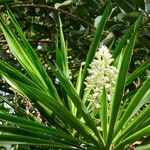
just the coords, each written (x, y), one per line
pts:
(73, 122)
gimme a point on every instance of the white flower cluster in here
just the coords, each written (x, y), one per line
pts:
(101, 74)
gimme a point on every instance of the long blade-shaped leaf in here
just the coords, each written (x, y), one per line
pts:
(5, 68)
(137, 72)
(58, 54)
(25, 132)
(132, 105)
(63, 50)
(136, 122)
(20, 54)
(16, 139)
(76, 100)
(48, 104)
(26, 44)
(145, 131)
(119, 88)
(78, 87)
(122, 43)
(25, 54)
(103, 113)
(36, 134)
(78, 82)
(33, 126)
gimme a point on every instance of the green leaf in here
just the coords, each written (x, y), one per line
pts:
(133, 105)
(103, 113)
(119, 88)
(137, 72)
(122, 43)
(58, 54)
(94, 45)
(27, 57)
(78, 82)
(48, 104)
(65, 68)
(70, 90)
(33, 126)
(6, 69)
(63, 51)
(16, 139)
(18, 50)
(36, 134)
(124, 38)
(78, 87)
(145, 99)
(143, 132)
(136, 123)
(30, 52)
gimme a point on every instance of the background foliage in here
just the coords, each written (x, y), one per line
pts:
(41, 25)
